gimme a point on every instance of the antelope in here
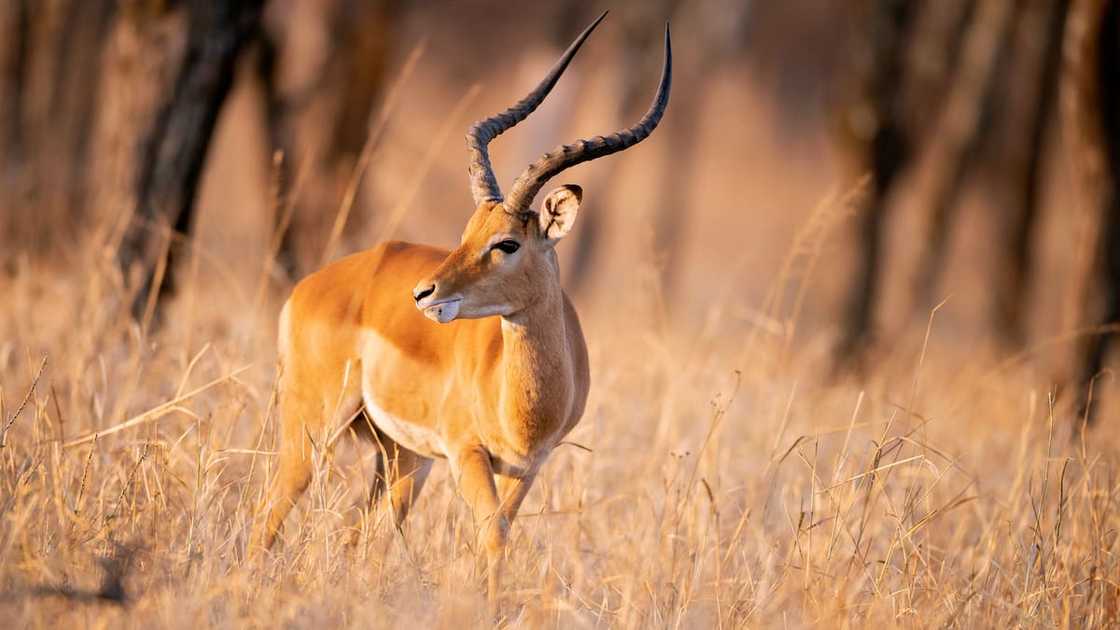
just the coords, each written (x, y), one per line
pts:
(482, 361)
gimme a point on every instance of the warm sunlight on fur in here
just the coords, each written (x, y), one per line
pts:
(492, 396)
(829, 348)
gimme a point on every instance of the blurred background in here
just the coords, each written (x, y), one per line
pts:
(834, 167)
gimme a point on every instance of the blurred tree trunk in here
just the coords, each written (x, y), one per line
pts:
(175, 149)
(968, 120)
(49, 61)
(13, 74)
(1092, 85)
(1046, 27)
(144, 49)
(14, 33)
(875, 124)
(79, 48)
(322, 99)
(900, 103)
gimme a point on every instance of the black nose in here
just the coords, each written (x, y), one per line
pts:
(419, 294)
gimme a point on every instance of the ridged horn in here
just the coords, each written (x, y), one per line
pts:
(529, 183)
(484, 186)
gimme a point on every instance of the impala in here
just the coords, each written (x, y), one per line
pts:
(473, 355)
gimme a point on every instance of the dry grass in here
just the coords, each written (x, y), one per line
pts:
(725, 486)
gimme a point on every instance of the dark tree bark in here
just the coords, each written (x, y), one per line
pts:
(1100, 107)
(49, 65)
(888, 152)
(991, 40)
(281, 138)
(176, 148)
(364, 32)
(348, 84)
(1012, 290)
(78, 50)
(980, 87)
(14, 45)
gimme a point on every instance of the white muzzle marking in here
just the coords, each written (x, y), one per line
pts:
(442, 311)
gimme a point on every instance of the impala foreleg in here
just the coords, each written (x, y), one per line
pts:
(512, 491)
(476, 485)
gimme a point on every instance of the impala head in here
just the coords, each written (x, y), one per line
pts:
(506, 260)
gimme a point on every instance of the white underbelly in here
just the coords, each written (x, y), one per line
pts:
(416, 438)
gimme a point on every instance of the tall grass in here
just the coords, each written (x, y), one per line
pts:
(714, 482)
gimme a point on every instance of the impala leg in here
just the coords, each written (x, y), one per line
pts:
(401, 472)
(293, 471)
(476, 485)
(406, 474)
(303, 414)
(512, 491)
(397, 483)
(292, 477)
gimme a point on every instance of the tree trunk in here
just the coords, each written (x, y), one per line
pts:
(1093, 83)
(175, 150)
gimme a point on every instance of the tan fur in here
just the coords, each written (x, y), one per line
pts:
(492, 394)
(495, 384)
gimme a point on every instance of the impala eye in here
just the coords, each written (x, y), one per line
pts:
(507, 246)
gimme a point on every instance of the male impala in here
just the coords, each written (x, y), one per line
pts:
(496, 374)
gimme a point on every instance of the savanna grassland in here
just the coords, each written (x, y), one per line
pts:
(720, 477)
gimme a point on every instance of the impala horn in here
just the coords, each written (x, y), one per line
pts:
(484, 186)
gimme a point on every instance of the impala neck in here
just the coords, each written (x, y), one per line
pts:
(535, 361)
(541, 322)
(542, 316)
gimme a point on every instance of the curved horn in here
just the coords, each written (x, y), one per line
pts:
(484, 186)
(526, 186)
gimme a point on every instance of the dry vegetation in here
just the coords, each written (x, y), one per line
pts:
(717, 480)
(719, 484)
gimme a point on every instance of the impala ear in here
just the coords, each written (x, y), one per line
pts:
(558, 213)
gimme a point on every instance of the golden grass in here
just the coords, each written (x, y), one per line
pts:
(725, 486)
